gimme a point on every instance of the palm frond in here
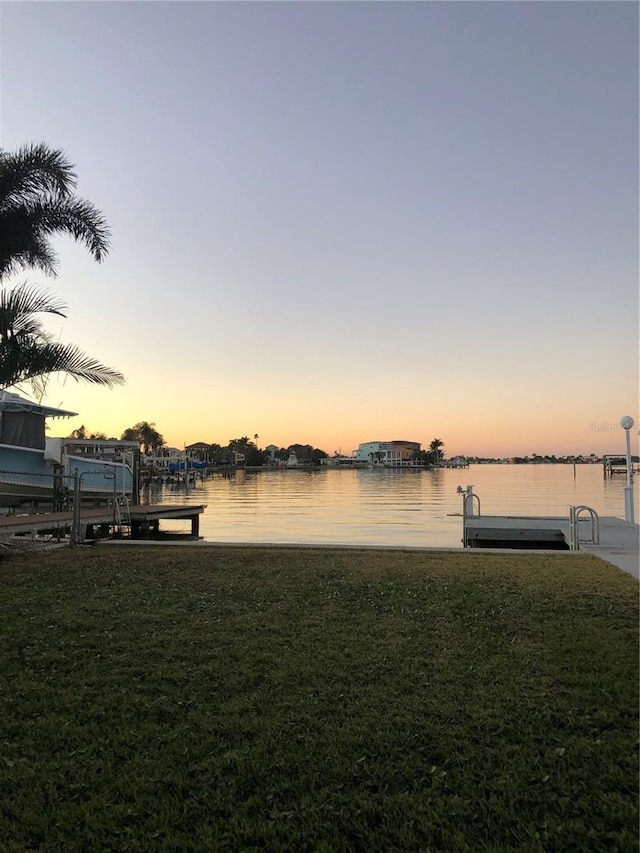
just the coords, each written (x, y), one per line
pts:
(27, 352)
(22, 244)
(32, 170)
(19, 310)
(26, 299)
(37, 203)
(26, 228)
(43, 360)
(81, 220)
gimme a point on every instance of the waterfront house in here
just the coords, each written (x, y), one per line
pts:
(391, 454)
(162, 459)
(198, 450)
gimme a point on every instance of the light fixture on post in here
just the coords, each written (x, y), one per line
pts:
(626, 423)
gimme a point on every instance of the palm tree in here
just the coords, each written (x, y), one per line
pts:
(150, 438)
(29, 354)
(37, 202)
(435, 449)
(81, 434)
(146, 434)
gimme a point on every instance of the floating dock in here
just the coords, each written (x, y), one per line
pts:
(616, 541)
(514, 531)
(143, 521)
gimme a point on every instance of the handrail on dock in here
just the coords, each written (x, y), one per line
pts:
(467, 509)
(574, 531)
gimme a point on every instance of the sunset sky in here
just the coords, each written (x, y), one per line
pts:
(346, 221)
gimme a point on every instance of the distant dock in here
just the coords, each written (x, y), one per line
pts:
(614, 463)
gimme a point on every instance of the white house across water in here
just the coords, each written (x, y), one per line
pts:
(391, 454)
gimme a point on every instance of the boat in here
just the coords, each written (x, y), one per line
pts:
(169, 461)
(35, 468)
(190, 464)
(292, 461)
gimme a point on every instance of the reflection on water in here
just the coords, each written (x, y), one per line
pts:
(382, 507)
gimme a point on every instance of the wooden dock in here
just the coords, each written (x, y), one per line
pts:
(143, 520)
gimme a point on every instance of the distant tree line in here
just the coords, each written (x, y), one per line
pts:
(547, 459)
(245, 448)
(255, 456)
(152, 441)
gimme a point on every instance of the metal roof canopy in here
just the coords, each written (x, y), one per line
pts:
(10, 402)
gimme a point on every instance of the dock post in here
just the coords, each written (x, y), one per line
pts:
(195, 525)
(574, 540)
(629, 513)
(468, 499)
(75, 521)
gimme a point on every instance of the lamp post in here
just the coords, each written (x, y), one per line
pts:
(626, 423)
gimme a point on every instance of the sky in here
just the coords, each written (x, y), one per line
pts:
(340, 222)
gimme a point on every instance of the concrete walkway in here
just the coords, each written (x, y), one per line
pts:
(619, 545)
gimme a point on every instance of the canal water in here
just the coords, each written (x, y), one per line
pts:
(389, 507)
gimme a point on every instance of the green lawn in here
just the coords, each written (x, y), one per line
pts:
(283, 699)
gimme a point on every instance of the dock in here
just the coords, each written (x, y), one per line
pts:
(614, 540)
(615, 463)
(515, 531)
(143, 520)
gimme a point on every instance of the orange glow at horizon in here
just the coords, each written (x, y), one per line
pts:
(321, 418)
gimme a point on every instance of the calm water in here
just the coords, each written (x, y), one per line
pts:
(385, 507)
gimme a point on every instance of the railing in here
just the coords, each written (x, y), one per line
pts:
(574, 527)
(468, 497)
(76, 527)
(25, 488)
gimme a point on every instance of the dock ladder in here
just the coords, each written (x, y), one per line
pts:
(574, 527)
(121, 515)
